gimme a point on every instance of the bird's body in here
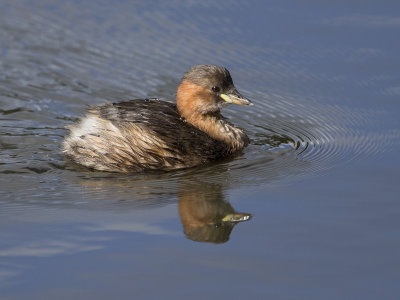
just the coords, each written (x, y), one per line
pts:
(150, 134)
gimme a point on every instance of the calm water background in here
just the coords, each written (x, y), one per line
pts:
(321, 177)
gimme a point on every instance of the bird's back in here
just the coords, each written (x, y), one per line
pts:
(137, 135)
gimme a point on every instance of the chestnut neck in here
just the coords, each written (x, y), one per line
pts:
(197, 105)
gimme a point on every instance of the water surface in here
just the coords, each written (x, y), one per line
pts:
(320, 177)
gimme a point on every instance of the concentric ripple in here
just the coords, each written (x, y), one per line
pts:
(296, 136)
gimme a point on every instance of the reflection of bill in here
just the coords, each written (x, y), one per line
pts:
(205, 215)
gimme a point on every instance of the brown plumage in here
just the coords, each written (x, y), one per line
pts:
(150, 134)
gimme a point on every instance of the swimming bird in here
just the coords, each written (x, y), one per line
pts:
(150, 134)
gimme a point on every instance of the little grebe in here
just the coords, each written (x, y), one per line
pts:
(150, 134)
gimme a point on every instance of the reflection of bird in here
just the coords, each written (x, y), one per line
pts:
(205, 215)
(149, 134)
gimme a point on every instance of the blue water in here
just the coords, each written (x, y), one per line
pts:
(320, 177)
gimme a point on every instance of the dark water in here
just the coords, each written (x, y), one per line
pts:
(320, 178)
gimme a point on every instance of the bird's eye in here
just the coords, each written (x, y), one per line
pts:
(215, 89)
